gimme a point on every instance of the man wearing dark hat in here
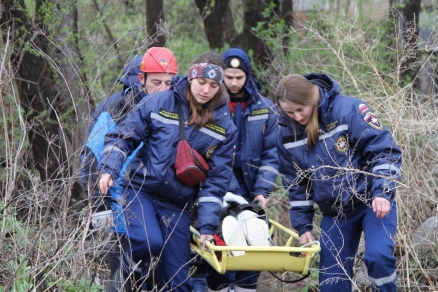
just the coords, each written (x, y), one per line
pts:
(255, 163)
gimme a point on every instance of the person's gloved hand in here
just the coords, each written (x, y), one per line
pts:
(102, 220)
(230, 197)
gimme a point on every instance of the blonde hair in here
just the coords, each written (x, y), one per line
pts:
(297, 89)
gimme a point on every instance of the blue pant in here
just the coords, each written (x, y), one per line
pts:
(244, 279)
(199, 284)
(339, 243)
(158, 231)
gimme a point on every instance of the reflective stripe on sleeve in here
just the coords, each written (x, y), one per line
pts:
(109, 149)
(387, 167)
(383, 280)
(258, 117)
(338, 129)
(210, 200)
(213, 134)
(303, 142)
(164, 120)
(269, 169)
(295, 144)
(300, 203)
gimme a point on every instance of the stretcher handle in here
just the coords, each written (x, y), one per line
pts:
(315, 242)
(209, 243)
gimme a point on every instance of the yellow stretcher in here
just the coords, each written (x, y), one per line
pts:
(258, 258)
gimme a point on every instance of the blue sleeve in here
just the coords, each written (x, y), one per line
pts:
(268, 170)
(211, 194)
(123, 140)
(300, 198)
(379, 151)
(101, 122)
(234, 185)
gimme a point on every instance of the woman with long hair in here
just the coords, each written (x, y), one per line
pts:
(157, 202)
(336, 153)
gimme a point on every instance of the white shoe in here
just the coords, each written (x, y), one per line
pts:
(240, 289)
(256, 230)
(222, 290)
(233, 234)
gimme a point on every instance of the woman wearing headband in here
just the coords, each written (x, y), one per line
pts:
(157, 203)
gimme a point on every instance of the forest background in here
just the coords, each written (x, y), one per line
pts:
(59, 58)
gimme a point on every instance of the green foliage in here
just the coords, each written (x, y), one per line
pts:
(81, 285)
(271, 31)
(103, 56)
(187, 39)
(20, 266)
(23, 280)
(360, 55)
(9, 224)
(30, 6)
(10, 128)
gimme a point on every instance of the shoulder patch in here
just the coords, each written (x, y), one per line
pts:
(168, 115)
(215, 128)
(258, 112)
(341, 144)
(363, 108)
(371, 119)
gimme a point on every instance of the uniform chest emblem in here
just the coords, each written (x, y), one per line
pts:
(371, 119)
(210, 151)
(341, 144)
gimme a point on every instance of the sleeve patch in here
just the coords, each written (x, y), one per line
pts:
(371, 119)
(363, 108)
(258, 112)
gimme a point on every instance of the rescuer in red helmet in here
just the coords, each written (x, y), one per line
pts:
(157, 68)
(141, 76)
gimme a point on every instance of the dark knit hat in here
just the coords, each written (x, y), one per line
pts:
(237, 63)
(130, 72)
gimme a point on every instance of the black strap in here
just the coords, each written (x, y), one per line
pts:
(290, 281)
(182, 131)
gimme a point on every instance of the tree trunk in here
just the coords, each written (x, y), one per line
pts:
(218, 22)
(285, 10)
(248, 40)
(34, 82)
(73, 102)
(50, 86)
(72, 90)
(112, 39)
(155, 22)
(411, 29)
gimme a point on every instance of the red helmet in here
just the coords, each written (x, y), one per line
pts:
(159, 60)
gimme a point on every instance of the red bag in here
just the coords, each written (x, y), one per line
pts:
(191, 168)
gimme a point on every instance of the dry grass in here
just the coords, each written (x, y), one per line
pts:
(44, 236)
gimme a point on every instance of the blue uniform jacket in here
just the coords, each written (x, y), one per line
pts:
(258, 153)
(105, 118)
(355, 159)
(155, 121)
(108, 113)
